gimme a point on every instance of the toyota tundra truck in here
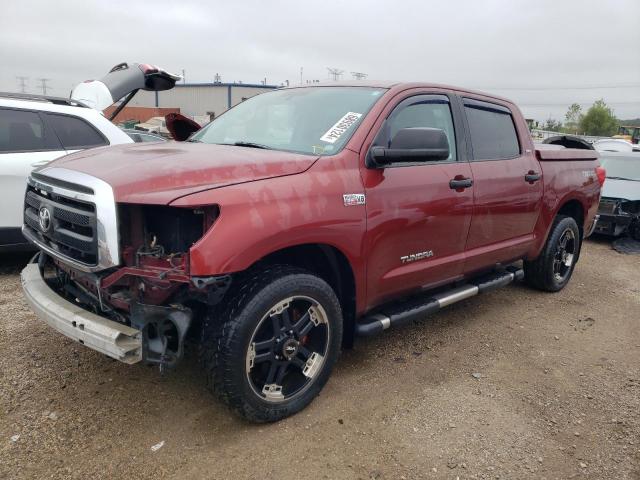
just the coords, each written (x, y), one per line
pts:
(297, 221)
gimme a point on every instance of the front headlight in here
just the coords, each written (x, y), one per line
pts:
(175, 229)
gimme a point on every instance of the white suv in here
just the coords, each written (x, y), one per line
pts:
(35, 130)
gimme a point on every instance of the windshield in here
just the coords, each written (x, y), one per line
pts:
(621, 168)
(318, 120)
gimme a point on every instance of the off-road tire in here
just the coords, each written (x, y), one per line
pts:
(539, 273)
(228, 330)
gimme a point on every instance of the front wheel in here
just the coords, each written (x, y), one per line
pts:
(553, 268)
(276, 343)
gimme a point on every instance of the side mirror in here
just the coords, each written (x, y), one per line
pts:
(416, 144)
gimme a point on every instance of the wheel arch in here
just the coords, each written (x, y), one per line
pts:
(575, 209)
(329, 263)
(570, 206)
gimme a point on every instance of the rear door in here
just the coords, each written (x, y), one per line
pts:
(507, 185)
(26, 142)
(417, 224)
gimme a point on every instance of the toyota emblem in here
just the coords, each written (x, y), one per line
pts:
(44, 218)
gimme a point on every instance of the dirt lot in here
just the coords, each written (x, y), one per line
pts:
(558, 396)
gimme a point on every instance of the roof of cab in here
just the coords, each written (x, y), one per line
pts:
(399, 86)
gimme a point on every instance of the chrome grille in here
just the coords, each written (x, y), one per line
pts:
(81, 218)
(71, 228)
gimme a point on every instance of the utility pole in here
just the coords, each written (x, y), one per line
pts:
(359, 75)
(43, 84)
(184, 77)
(335, 73)
(301, 76)
(23, 83)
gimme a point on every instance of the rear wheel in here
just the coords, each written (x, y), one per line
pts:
(275, 345)
(553, 268)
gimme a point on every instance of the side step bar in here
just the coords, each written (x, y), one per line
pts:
(417, 308)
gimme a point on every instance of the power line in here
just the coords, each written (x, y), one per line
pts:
(43, 84)
(335, 73)
(559, 104)
(359, 75)
(23, 83)
(582, 87)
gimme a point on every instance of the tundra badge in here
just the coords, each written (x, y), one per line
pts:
(413, 257)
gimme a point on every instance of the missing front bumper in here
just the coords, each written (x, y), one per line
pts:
(105, 336)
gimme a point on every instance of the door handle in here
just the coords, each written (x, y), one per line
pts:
(460, 183)
(532, 177)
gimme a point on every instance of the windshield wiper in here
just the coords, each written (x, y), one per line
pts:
(250, 145)
(193, 140)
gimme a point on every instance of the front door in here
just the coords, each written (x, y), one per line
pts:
(417, 224)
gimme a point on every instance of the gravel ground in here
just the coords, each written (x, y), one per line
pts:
(513, 384)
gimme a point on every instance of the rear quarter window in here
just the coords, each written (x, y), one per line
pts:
(492, 131)
(24, 131)
(75, 133)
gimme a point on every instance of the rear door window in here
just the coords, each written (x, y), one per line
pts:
(492, 131)
(74, 132)
(24, 131)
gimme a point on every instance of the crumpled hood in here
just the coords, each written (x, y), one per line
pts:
(626, 189)
(158, 173)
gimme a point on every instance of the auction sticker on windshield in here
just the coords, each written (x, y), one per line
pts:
(341, 126)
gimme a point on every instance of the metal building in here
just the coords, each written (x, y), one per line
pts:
(200, 99)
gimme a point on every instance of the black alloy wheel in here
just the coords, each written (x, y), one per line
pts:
(270, 349)
(287, 348)
(565, 255)
(553, 267)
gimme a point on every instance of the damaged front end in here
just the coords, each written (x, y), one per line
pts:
(151, 290)
(618, 217)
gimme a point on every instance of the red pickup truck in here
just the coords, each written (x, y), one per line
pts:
(296, 221)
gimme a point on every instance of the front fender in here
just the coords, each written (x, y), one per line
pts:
(262, 217)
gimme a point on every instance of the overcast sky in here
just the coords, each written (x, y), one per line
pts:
(543, 54)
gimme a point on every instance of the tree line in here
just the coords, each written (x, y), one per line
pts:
(599, 121)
